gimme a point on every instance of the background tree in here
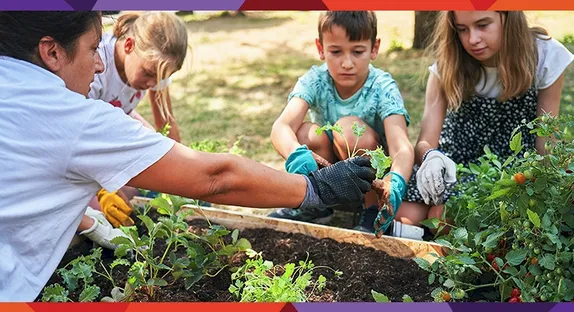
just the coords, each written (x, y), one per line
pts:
(424, 25)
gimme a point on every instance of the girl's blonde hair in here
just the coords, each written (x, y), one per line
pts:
(460, 73)
(160, 38)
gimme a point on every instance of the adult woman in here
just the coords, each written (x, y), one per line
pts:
(67, 153)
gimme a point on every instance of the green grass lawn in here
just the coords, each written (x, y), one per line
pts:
(242, 69)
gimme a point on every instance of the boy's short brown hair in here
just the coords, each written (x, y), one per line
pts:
(360, 25)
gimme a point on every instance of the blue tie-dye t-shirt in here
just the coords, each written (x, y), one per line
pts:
(377, 99)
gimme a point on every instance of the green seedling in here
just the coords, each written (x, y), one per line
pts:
(262, 281)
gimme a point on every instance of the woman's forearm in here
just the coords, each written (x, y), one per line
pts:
(223, 179)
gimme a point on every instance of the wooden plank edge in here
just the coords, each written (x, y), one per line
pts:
(394, 246)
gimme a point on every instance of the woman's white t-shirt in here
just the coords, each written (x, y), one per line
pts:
(57, 149)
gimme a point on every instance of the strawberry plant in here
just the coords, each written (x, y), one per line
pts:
(262, 281)
(152, 265)
(163, 253)
(80, 273)
(513, 222)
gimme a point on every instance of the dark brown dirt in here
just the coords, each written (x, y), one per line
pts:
(364, 269)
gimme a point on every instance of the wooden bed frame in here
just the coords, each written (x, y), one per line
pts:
(394, 246)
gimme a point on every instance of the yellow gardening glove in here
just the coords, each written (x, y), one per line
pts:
(115, 208)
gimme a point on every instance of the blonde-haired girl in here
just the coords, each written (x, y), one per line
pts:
(491, 72)
(142, 53)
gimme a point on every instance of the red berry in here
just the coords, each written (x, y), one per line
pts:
(515, 293)
(495, 266)
(514, 300)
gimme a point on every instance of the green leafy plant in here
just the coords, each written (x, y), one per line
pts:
(153, 265)
(396, 45)
(165, 130)
(568, 39)
(218, 146)
(513, 223)
(262, 281)
(163, 253)
(80, 274)
(383, 298)
(396, 42)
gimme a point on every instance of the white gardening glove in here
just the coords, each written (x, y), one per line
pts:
(101, 232)
(435, 171)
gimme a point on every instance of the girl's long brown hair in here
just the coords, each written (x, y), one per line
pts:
(459, 72)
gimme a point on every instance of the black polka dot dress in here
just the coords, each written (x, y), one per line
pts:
(478, 122)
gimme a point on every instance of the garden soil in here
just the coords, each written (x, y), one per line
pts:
(364, 269)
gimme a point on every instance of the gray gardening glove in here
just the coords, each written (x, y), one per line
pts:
(435, 172)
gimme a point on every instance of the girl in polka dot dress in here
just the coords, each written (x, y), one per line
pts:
(491, 71)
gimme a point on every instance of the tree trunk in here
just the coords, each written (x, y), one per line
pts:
(424, 26)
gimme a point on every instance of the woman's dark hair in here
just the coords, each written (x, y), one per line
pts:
(20, 32)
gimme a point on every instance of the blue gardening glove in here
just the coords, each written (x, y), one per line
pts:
(345, 182)
(394, 190)
(301, 161)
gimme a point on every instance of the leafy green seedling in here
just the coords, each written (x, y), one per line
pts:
(262, 281)
(379, 161)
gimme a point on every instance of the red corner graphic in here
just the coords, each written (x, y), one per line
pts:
(288, 308)
(482, 4)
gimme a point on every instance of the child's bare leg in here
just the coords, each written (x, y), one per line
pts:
(370, 140)
(320, 144)
(412, 213)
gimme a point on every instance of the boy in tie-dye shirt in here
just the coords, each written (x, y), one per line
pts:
(344, 90)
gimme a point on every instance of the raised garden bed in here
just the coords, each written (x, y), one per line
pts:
(512, 242)
(367, 263)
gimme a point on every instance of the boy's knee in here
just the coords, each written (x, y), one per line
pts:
(306, 135)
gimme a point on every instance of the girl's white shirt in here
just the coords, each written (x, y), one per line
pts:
(109, 86)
